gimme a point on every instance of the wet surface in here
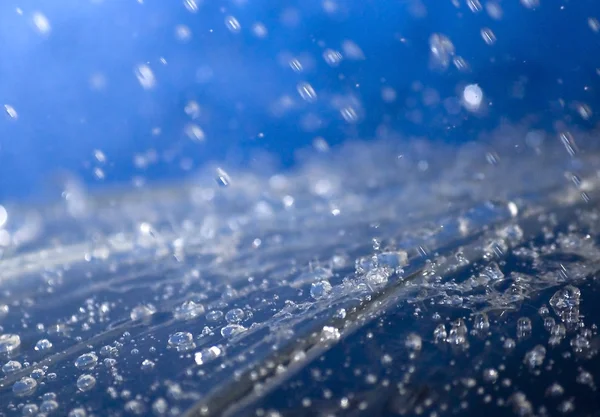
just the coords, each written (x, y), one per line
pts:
(366, 282)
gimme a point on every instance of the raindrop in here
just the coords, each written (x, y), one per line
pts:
(207, 355)
(474, 5)
(147, 365)
(194, 132)
(232, 330)
(235, 315)
(24, 387)
(329, 333)
(472, 97)
(191, 5)
(182, 341)
(488, 36)
(86, 361)
(535, 357)
(188, 310)
(77, 412)
(41, 23)
(307, 92)
(145, 76)
(10, 111)
(9, 342)
(320, 289)
(530, 4)
(332, 57)
(11, 367)
(48, 406)
(43, 344)
(142, 311)
(85, 382)
(232, 24)
(222, 178)
(413, 342)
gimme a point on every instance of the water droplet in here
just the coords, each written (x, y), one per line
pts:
(10, 111)
(523, 327)
(441, 49)
(235, 315)
(232, 24)
(86, 361)
(222, 178)
(48, 406)
(194, 132)
(329, 333)
(440, 334)
(488, 36)
(472, 97)
(182, 341)
(147, 365)
(232, 330)
(413, 342)
(85, 382)
(320, 289)
(207, 355)
(307, 92)
(142, 311)
(191, 5)
(30, 410)
(24, 387)
(43, 344)
(188, 310)
(77, 412)
(41, 23)
(535, 357)
(490, 375)
(11, 367)
(530, 4)
(475, 6)
(214, 315)
(332, 58)
(145, 76)
(9, 342)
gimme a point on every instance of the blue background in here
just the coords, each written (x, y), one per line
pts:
(236, 77)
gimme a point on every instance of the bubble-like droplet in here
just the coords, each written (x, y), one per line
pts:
(191, 5)
(24, 387)
(413, 342)
(147, 365)
(441, 49)
(10, 111)
(222, 178)
(214, 315)
(232, 330)
(307, 92)
(135, 407)
(232, 24)
(141, 311)
(9, 342)
(530, 4)
(86, 361)
(235, 315)
(11, 367)
(43, 344)
(194, 132)
(77, 412)
(85, 382)
(332, 57)
(320, 289)
(329, 333)
(475, 6)
(207, 355)
(188, 310)
(488, 36)
(48, 406)
(41, 23)
(145, 76)
(535, 357)
(30, 410)
(182, 341)
(472, 97)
